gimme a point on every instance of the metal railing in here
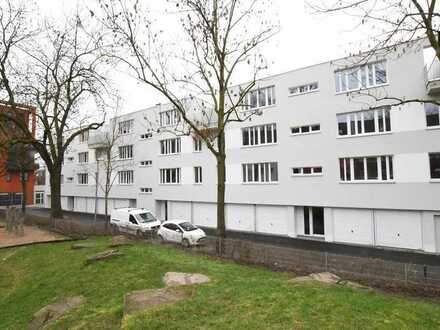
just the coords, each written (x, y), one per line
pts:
(433, 71)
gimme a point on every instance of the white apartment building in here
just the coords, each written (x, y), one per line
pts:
(317, 163)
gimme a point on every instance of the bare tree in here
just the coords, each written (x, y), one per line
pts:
(218, 40)
(59, 71)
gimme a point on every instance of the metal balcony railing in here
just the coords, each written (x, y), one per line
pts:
(97, 139)
(433, 71)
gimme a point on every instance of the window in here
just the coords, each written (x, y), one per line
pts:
(83, 178)
(144, 163)
(70, 159)
(126, 152)
(146, 136)
(258, 135)
(169, 118)
(169, 175)
(146, 190)
(126, 126)
(432, 114)
(125, 177)
(364, 122)
(39, 197)
(197, 144)
(170, 146)
(260, 172)
(83, 137)
(261, 97)
(303, 89)
(434, 165)
(307, 171)
(375, 168)
(365, 76)
(313, 221)
(83, 157)
(315, 128)
(69, 179)
(198, 174)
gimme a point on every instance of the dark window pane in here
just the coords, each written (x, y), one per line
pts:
(342, 125)
(269, 134)
(316, 127)
(296, 170)
(262, 97)
(432, 114)
(434, 164)
(368, 122)
(318, 220)
(253, 99)
(352, 124)
(348, 168)
(390, 161)
(372, 172)
(262, 134)
(274, 172)
(256, 174)
(305, 129)
(359, 123)
(307, 170)
(380, 119)
(294, 130)
(306, 221)
(341, 169)
(383, 166)
(317, 170)
(381, 73)
(243, 167)
(387, 120)
(358, 164)
(274, 134)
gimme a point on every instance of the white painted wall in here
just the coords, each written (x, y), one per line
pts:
(240, 217)
(411, 167)
(273, 219)
(408, 117)
(353, 226)
(205, 214)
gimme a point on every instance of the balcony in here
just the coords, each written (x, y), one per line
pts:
(433, 78)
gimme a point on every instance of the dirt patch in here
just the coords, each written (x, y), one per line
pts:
(32, 234)
(54, 311)
(144, 300)
(175, 279)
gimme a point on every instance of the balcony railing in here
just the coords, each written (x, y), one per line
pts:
(97, 139)
(433, 77)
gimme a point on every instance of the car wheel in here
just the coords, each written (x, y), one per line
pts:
(185, 243)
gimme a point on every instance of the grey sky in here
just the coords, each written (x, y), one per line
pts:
(304, 39)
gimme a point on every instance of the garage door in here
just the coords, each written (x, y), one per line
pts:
(180, 210)
(401, 229)
(118, 203)
(240, 217)
(353, 226)
(205, 214)
(272, 219)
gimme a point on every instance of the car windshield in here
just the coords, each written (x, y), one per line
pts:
(186, 226)
(145, 217)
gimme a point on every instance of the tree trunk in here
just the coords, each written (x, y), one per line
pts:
(23, 192)
(55, 194)
(106, 210)
(221, 178)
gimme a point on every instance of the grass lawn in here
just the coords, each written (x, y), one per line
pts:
(239, 297)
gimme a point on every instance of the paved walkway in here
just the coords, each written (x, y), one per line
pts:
(32, 234)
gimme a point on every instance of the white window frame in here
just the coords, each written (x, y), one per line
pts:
(270, 97)
(310, 129)
(83, 157)
(126, 152)
(169, 118)
(426, 105)
(310, 214)
(145, 163)
(166, 146)
(363, 74)
(146, 136)
(313, 171)
(254, 135)
(39, 198)
(125, 177)
(170, 176)
(83, 179)
(145, 190)
(197, 144)
(125, 127)
(198, 175)
(358, 116)
(83, 137)
(304, 89)
(263, 175)
(348, 162)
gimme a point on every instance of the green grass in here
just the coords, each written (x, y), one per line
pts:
(240, 297)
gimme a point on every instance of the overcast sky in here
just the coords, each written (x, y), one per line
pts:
(304, 39)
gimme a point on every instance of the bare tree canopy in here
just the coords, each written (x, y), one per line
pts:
(57, 68)
(219, 40)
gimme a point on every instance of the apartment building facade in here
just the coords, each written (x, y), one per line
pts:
(328, 157)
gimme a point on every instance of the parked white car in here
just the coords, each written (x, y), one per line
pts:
(181, 231)
(134, 220)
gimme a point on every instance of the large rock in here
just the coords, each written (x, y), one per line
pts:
(151, 298)
(103, 256)
(54, 311)
(328, 278)
(175, 279)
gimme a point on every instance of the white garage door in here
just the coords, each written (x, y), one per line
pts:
(400, 229)
(273, 219)
(80, 204)
(205, 214)
(179, 210)
(118, 203)
(353, 226)
(240, 217)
